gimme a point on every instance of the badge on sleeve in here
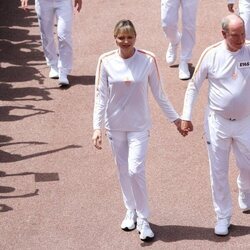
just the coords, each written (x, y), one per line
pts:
(245, 64)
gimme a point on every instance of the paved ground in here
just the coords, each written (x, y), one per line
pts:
(56, 190)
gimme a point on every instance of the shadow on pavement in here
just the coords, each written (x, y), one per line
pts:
(20, 55)
(20, 196)
(20, 51)
(81, 80)
(5, 189)
(5, 208)
(10, 157)
(12, 15)
(7, 117)
(39, 177)
(191, 68)
(15, 74)
(174, 233)
(9, 93)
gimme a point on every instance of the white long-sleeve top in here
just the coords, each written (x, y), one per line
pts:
(121, 96)
(228, 75)
(243, 3)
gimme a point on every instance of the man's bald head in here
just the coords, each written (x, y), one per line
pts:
(231, 19)
(233, 31)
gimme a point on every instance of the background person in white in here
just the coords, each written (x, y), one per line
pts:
(226, 65)
(61, 10)
(123, 78)
(244, 12)
(169, 20)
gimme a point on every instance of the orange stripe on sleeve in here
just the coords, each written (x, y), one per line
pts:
(153, 56)
(202, 56)
(98, 69)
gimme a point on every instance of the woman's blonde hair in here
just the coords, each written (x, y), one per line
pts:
(124, 25)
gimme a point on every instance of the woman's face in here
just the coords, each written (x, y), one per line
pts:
(125, 40)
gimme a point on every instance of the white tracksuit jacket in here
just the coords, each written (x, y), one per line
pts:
(121, 100)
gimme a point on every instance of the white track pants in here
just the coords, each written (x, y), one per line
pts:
(169, 21)
(221, 135)
(129, 150)
(61, 10)
(244, 12)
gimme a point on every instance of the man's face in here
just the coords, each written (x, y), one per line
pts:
(234, 36)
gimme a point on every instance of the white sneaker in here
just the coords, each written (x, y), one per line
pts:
(144, 229)
(221, 227)
(244, 201)
(184, 73)
(172, 52)
(53, 74)
(129, 221)
(63, 79)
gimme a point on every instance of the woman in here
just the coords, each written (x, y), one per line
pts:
(121, 104)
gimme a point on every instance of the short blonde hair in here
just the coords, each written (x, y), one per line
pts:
(124, 25)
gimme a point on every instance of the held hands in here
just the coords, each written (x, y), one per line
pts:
(183, 126)
(186, 127)
(97, 138)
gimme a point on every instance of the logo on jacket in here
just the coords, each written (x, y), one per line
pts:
(127, 81)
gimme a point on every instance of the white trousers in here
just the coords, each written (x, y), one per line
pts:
(129, 150)
(244, 12)
(169, 21)
(62, 11)
(222, 135)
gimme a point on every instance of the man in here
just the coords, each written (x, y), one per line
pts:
(244, 12)
(226, 65)
(169, 21)
(47, 10)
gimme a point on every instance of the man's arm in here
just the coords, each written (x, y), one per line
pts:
(194, 85)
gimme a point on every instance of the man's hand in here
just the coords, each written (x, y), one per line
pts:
(97, 138)
(78, 5)
(230, 7)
